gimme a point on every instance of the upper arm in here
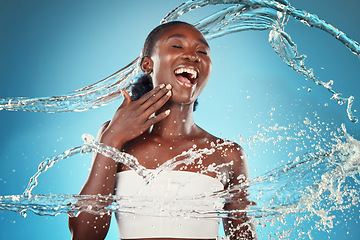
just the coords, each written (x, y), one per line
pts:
(239, 225)
(239, 169)
(239, 177)
(86, 225)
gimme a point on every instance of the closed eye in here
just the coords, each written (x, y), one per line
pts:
(177, 46)
(203, 52)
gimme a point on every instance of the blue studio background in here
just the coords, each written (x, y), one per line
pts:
(52, 47)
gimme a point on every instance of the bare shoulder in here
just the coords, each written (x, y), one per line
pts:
(98, 136)
(234, 155)
(102, 129)
(238, 155)
(231, 152)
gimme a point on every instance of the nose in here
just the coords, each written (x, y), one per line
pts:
(191, 56)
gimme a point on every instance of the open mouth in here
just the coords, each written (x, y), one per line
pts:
(186, 76)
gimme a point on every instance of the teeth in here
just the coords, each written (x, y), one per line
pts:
(187, 70)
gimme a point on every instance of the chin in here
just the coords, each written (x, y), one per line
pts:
(179, 95)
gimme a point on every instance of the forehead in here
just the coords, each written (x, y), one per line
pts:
(182, 31)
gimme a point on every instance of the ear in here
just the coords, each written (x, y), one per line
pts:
(146, 65)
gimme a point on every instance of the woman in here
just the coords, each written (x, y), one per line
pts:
(157, 127)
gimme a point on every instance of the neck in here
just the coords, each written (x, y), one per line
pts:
(179, 124)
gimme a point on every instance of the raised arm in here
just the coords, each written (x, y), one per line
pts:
(129, 121)
(237, 226)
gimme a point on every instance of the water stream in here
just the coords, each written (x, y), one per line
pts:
(315, 184)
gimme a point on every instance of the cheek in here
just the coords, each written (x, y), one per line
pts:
(208, 69)
(209, 65)
(162, 69)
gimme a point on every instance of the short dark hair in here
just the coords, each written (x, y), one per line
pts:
(154, 36)
(144, 82)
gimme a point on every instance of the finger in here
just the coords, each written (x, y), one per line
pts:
(156, 105)
(151, 93)
(127, 99)
(159, 96)
(151, 121)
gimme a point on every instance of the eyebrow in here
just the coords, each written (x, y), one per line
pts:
(183, 36)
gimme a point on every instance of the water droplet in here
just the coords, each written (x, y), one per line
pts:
(23, 213)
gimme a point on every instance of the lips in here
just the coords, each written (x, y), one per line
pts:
(186, 76)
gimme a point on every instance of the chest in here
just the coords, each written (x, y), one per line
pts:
(191, 156)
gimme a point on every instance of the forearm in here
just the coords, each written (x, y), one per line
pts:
(239, 227)
(87, 226)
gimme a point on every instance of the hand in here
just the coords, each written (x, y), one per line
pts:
(132, 118)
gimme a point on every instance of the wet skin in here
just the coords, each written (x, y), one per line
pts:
(180, 47)
(155, 139)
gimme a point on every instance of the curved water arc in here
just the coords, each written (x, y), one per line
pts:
(108, 90)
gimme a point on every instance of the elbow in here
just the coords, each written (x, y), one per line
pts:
(87, 226)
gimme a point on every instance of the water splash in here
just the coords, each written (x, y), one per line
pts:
(240, 15)
(90, 145)
(313, 186)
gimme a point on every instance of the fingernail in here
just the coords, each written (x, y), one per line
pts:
(168, 86)
(162, 86)
(167, 112)
(168, 93)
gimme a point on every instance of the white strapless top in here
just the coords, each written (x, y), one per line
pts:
(165, 208)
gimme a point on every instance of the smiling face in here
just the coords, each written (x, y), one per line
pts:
(181, 57)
